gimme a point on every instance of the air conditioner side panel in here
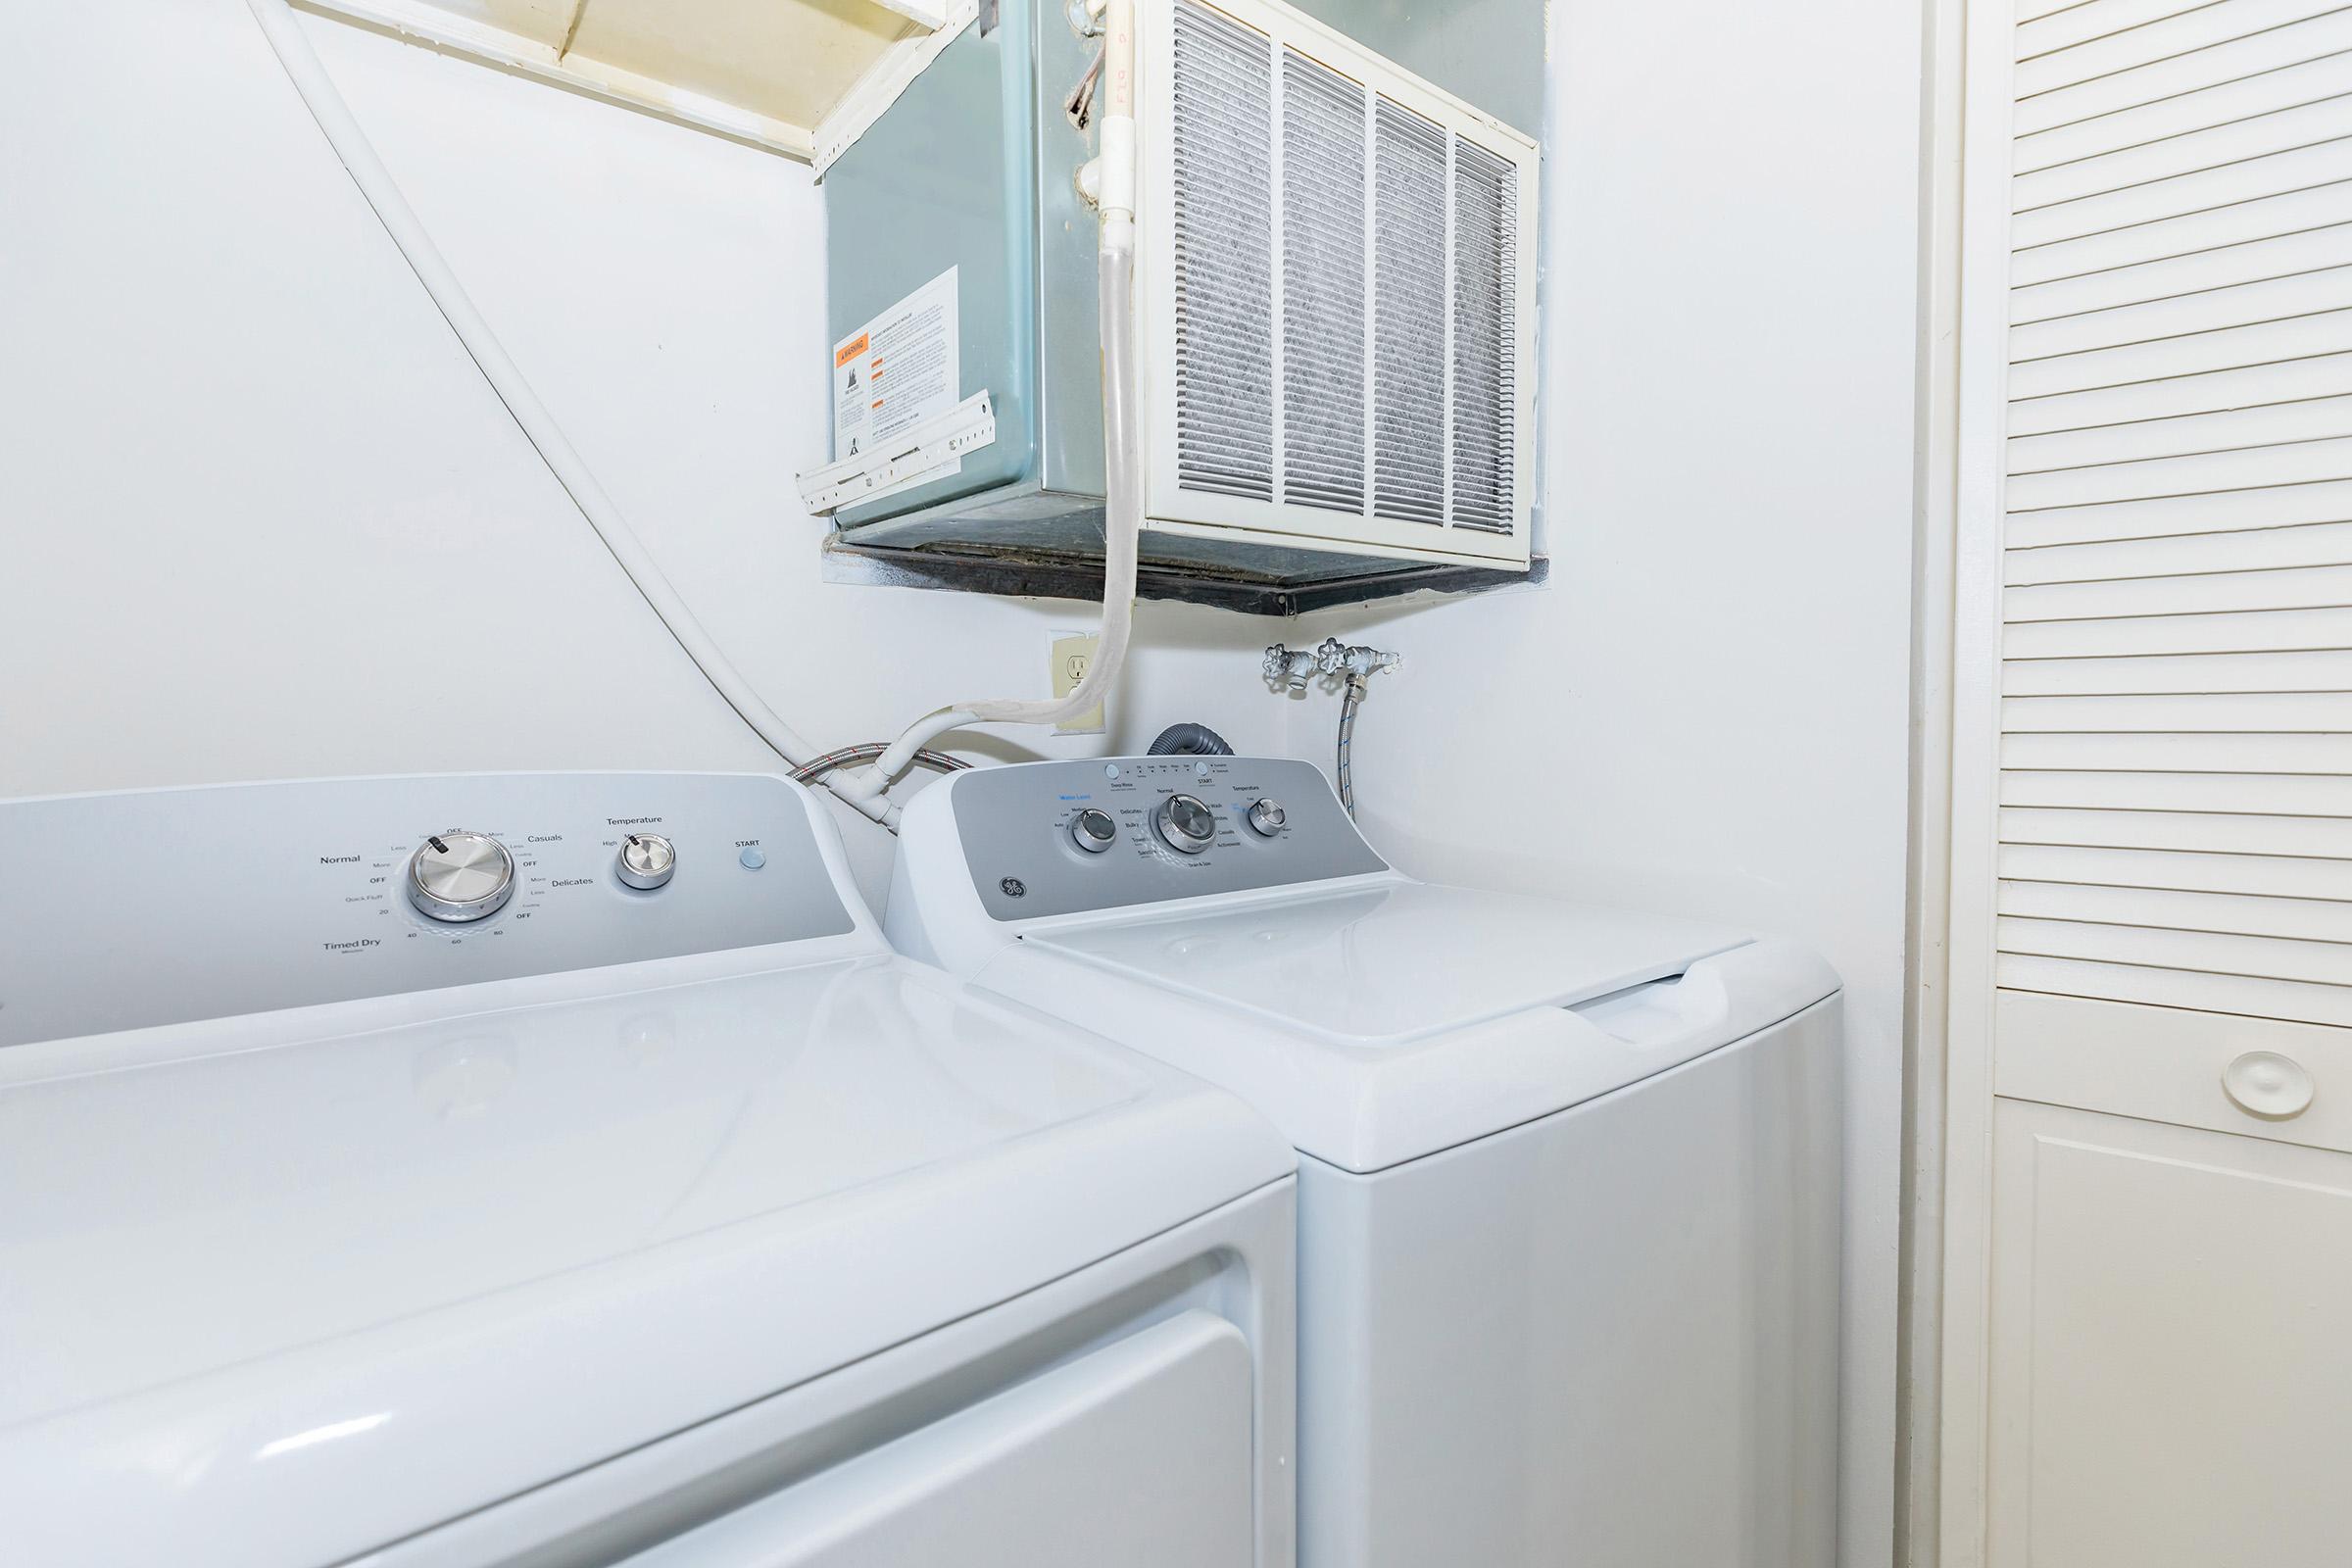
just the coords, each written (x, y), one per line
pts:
(947, 178)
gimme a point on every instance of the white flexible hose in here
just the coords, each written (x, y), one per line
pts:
(294, 52)
(1123, 496)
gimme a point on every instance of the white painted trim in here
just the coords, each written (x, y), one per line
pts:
(1986, 152)
(874, 92)
(1920, 1286)
(431, 25)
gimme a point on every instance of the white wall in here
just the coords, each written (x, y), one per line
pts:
(263, 517)
(1707, 708)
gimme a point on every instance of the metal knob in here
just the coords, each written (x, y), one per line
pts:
(457, 877)
(1093, 831)
(1186, 824)
(1266, 818)
(647, 860)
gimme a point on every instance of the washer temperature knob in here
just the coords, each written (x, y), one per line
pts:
(1266, 818)
(1186, 823)
(1093, 831)
(647, 860)
(456, 877)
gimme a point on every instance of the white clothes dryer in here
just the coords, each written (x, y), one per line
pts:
(1569, 1176)
(592, 1186)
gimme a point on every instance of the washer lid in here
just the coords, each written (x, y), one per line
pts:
(1387, 965)
(1385, 1023)
(289, 1304)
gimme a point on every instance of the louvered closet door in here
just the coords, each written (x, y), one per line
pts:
(2177, 719)
(2168, 1383)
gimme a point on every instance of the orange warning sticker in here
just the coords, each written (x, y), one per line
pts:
(849, 351)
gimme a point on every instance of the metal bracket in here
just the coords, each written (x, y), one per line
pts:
(914, 457)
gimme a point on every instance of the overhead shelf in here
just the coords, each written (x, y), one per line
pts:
(800, 78)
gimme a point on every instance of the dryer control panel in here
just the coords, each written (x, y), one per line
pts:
(1065, 838)
(156, 906)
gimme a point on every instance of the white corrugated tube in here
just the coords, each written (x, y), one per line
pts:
(1124, 498)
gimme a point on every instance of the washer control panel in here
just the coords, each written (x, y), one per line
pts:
(1064, 838)
(116, 919)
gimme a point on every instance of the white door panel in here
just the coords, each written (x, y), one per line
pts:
(2171, 1379)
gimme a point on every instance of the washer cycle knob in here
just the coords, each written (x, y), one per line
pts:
(1093, 831)
(647, 860)
(1186, 823)
(457, 877)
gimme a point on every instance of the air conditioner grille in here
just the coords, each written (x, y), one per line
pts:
(1344, 284)
(1486, 270)
(1224, 255)
(1323, 296)
(1408, 325)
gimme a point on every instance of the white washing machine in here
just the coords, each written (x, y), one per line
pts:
(1569, 1176)
(592, 1187)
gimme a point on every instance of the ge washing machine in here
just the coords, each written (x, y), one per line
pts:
(1569, 1176)
(557, 1170)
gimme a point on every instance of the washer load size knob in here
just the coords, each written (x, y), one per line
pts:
(1093, 831)
(1186, 823)
(457, 877)
(647, 860)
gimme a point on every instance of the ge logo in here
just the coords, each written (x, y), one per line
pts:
(1014, 887)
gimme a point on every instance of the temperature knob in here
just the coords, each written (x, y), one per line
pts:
(1093, 831)
(1186, 823)
(457, 877)
(647, 859)
(1266, 818)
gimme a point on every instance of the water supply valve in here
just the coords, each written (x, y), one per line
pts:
(1284, 667)
(1353, 659)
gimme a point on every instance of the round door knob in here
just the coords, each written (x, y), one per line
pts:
(2265, 1084)
(1186, 823)
(647, 860)
(457, 877)
(1093, 831)
(1266, 818)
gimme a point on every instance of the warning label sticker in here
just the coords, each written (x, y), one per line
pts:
(897, 370)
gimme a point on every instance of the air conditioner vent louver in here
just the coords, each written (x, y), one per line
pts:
(1486, 261)
(1324, 265)
(1224, 244)
(1408, 327)
(1344, 290)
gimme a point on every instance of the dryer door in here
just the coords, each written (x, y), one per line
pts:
(1137, 1454)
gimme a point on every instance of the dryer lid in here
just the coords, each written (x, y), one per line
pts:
(1389, 964)
(341, 1285)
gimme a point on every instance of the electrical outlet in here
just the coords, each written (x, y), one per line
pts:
(1071, 655)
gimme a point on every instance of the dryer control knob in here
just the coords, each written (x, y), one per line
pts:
(1266, 818)
(1186, 823)
(1093, 831)
(647, 860)
(457, 877)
